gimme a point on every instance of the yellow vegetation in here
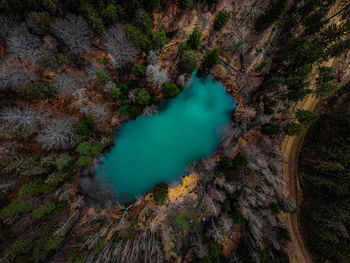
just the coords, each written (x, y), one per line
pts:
(188, 184)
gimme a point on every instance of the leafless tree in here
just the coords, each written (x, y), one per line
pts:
(245, 113)
(14, 74)
(26, 119)
(149, 110)
(226, 223)
(63, 229)
(74, 31)
(67, 83)
(8, 24)
(116, 42)
(132, 95)
(7, 184)
(200, 248)
(58, 134)
(99, 113)
(211, 206)
(156, 76)
(152, 58)
(181, 81)
(24, 44)
(215, 232)
(262, 119)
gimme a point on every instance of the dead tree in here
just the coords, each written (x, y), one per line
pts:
(74, 31)
(215, 232)
(14, 74)
(152, 58)
(245, 113)
(26, 119)
(200, 248)
(25, 45)
(8, 24)
(226, 223)
(150, 110)
(156, 76)
(121, 48)
(212, 207)
(67, 83)
(58, 134)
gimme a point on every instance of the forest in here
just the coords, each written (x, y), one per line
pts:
(72, 72)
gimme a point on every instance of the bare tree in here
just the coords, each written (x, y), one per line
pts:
(67, 83)
(159, 77)
(200, 248)
(74, 31)
(152, 58)
(26, 119)
(99, 112)
(24, 44)
(245, 113)
(181, 81)
(132, 95)
(226, 223)
(58, 134)
(8, 23)
(215, 232)
(149, 110)
(116, 42)
(211, 206)
(14, 74)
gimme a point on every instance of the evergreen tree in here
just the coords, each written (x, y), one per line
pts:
(293, 129)
(306, 117)
(194, 40)
(211, 58)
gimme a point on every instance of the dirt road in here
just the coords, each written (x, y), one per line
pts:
(291, 147)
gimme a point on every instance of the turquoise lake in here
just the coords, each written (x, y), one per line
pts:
(158, 148)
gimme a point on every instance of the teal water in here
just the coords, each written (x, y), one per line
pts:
(157, 148)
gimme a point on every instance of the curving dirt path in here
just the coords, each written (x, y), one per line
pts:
(291, 147)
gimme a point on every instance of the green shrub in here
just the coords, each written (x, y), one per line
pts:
(270, 129)
(139, 70)
(44, 210)
(221, 19)
(20, 248)
(64, 59)
(143, 97)
(123, 110)
(160, 193)
(211, 58)
(16, 206)
(103, 78)
(170, 90)
(84, 148)
(96, 149)
(83, 160)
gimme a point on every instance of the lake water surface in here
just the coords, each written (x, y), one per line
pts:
(157, 148)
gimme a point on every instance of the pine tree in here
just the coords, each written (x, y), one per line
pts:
(194, 40)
